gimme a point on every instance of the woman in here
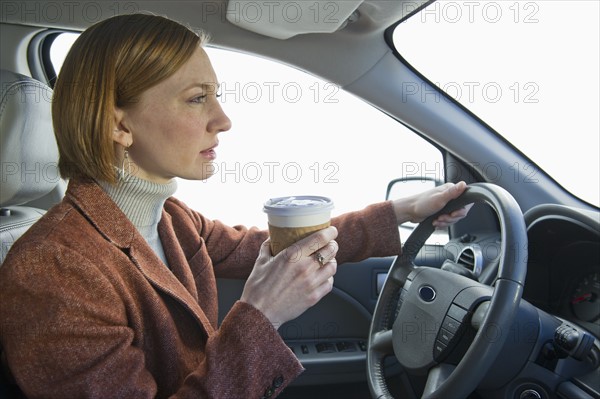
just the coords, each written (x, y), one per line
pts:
(113, 290)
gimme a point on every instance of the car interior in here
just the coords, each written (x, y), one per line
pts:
(508, 307)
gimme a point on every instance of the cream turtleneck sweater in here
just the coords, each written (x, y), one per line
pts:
(142, 202)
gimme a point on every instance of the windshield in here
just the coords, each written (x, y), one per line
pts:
(265, 99)
(530, 70)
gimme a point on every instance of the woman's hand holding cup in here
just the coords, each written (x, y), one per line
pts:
(284, 285)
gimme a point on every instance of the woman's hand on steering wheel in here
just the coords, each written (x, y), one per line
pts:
(417, 208)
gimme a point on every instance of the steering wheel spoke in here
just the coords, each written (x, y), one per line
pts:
(381, 342)
(436, 377)
(399, 275)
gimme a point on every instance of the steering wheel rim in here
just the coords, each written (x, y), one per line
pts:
(405, 283)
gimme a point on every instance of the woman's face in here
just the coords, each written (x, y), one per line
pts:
(174, 125)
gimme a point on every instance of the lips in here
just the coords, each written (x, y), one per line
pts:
(210, 153)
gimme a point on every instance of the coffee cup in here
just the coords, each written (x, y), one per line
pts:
(296, 217)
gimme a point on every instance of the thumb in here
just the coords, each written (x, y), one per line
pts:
(265, 250)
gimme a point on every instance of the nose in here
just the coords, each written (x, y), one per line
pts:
(219, 121)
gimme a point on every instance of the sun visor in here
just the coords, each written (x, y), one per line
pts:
(283, 19)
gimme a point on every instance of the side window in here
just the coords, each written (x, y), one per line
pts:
(296, 134)
(59, 49)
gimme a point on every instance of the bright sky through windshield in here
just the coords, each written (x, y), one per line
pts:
(529, 69)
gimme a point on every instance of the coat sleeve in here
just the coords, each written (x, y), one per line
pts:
(371, 232)
(67, 332)
(268, 364)
(232, 250)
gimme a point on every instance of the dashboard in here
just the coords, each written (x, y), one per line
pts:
(563, 281)
(563, 274)
(563, 262)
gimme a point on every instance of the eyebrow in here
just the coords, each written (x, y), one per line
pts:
(204, 86)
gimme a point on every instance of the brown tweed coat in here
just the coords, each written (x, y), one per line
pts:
(88, 310)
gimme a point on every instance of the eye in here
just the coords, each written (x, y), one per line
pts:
(199, 99)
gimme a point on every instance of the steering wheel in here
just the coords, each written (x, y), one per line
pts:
(423, 312)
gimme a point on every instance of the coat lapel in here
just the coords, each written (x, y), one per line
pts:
(177, 260)
(157, 273)
(111, 223)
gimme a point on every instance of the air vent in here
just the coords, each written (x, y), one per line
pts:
(467, 258)
(471, 257)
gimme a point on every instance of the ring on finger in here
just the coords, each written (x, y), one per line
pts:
(320, 258)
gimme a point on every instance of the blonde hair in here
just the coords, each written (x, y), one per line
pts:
(110, 65)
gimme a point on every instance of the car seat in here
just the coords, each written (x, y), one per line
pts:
(29, 155)
(30, 181)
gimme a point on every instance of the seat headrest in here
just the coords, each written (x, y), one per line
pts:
(28, 150)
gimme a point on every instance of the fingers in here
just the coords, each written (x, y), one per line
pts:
(452, 191)
(446, 220)
(321, 241)
(443, 194)
(318, 240)
(324, 289)
(460, 186)
(264, 254)
(326, 253)
(285, 285)
(451, 218)
(323, 281)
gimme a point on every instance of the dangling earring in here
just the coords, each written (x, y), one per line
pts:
(124, 174)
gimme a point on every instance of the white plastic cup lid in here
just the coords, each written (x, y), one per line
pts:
(298, 211)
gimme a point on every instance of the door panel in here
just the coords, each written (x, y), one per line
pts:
(330, 338)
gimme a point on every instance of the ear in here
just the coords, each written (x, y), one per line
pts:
(121, 133)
